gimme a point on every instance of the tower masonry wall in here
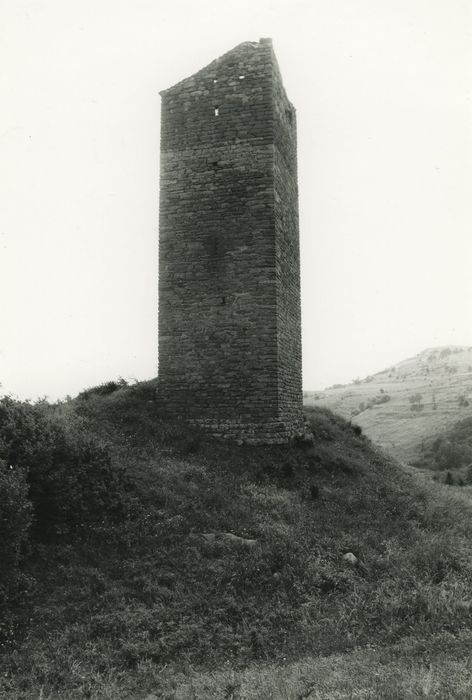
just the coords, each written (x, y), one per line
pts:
(229, 288)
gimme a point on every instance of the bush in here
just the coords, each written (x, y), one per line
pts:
(451, 455)
(452, 450)
(415, 401)
(374, 401)
(72, 483)
(15, 520)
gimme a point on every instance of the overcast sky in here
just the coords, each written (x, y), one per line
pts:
(382, 90)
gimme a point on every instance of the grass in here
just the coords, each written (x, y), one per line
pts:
(439, 668)
(165, 603)
(440, 376)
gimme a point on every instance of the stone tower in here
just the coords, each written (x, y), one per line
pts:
(229, 261)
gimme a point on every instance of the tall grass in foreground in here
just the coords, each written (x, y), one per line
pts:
(439, 668)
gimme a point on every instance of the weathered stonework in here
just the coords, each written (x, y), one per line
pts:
(229, 263)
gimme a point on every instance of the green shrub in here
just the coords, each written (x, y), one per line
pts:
(377, 400)
(451, 455)
(15, 520)
(416, 402)
(72, 483)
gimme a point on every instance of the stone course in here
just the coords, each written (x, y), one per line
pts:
(229, 265)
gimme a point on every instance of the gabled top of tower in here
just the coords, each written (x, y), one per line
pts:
(246, 52)
(243, 88)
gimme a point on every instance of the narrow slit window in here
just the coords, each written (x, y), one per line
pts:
(217, 111)
(241, 77)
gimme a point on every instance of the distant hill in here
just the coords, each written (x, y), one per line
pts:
(405, 407)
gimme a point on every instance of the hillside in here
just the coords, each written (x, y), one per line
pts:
(404, 407)
(212, 570)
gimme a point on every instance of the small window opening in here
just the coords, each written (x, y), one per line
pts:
(241, 77)
(215, 163)
(217, 111)
(223, 300)
(215, 80)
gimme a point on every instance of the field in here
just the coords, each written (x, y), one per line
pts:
(405, 407)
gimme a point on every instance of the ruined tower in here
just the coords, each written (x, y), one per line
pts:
(229, 262)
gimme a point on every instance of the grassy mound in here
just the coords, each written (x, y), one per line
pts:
(233, 555)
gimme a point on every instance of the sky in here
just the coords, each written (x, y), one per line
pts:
(383, 96)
